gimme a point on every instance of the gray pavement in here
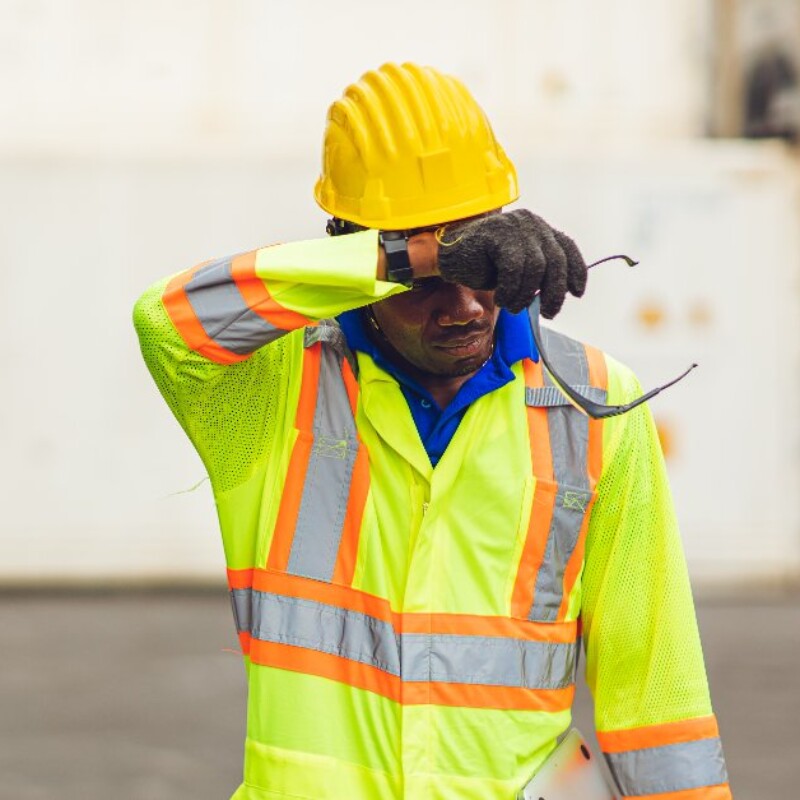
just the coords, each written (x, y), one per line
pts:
(137, 696)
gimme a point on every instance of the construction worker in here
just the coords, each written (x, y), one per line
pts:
(419, 526)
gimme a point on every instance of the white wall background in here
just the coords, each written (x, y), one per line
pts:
(138, 139)
(171, 77)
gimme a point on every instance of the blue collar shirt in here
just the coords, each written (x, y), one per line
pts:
(437, 426)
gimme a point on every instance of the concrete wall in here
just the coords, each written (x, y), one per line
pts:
(139, 139)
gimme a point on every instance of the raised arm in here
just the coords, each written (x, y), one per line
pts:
(204, 336)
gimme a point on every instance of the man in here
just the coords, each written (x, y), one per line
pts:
(418, 525)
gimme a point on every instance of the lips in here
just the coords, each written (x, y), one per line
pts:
(462, 345)
(457, 344)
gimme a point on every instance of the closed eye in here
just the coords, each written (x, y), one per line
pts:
(425, 285)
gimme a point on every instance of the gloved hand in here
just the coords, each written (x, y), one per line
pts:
(515, 253)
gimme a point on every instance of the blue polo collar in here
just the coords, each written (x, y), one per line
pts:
(436, 426)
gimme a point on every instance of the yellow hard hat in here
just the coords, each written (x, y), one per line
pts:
(406, 147)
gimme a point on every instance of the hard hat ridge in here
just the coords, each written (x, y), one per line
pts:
(407, 146)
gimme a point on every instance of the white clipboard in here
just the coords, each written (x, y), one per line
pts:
(571, 772)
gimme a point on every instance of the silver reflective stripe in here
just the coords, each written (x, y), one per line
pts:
(326, 487)
(414, 657)
(487, 660)
(544, 396)
(671, 768)
(569, 444)
(569, 357)
(568, 513)
(241, 601)
(327, 629)
(222, 311)
(569, 429)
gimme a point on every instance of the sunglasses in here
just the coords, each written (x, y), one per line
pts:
(590, 407)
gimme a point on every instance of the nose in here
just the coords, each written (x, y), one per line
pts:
(458, 305)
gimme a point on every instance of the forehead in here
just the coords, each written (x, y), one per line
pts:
(439, 225)
(336, 226)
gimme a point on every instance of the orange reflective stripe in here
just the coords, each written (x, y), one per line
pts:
(180, 311)
(504, 698)
(538, 430)
(309, 589)
(244, 642)
(544, 498)
(286, 521)
(255, 293)
(351, 527)
(372, 679)
(719, 792)
(285, 524)
(325, 665)
(307, 402)
(240, 578)
(689, 730)
(598, 376)
(472, 625)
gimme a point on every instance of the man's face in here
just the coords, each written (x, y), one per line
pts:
(440, 328)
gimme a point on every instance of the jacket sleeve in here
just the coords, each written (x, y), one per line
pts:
(221, 312)
(226, 309)
(224, 344)
(644, 662)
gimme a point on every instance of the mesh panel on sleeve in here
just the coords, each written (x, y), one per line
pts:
(234, 416)
(644, 661)
(159, 342)
(230, 412)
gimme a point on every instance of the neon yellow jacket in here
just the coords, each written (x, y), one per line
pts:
(412, 632)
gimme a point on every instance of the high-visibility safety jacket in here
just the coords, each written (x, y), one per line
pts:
(410, 631)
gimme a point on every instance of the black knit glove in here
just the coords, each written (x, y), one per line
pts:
(517, 254)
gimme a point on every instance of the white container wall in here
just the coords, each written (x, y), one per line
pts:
(255, 77)
(715, 229)
(139, 139)
(96, 471)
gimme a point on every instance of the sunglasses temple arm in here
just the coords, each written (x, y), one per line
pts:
(589, 407)
(653, 392)
(627, 259)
